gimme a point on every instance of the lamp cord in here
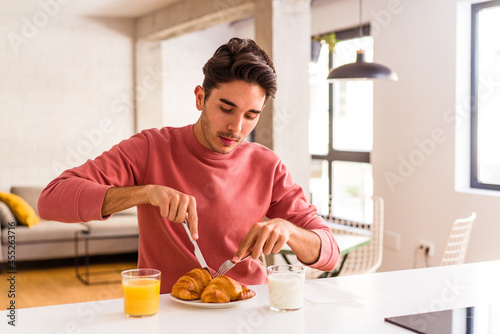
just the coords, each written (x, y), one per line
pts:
(360, 21)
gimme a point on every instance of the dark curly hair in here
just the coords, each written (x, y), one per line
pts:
(240, 59)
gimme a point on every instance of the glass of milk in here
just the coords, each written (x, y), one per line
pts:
(286, 287)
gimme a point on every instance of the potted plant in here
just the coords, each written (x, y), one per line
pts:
(318, 40)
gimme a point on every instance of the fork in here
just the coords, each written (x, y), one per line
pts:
(226, 266)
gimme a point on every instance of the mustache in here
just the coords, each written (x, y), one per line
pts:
(229, 135)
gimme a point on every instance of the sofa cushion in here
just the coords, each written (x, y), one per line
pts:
(6, 215)
(119, 225)
(29, 194)
(129, 211)
(46, 231)
(21, 209)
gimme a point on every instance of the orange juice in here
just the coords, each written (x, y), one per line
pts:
(141, 296)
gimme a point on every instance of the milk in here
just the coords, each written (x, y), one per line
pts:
(286, 291)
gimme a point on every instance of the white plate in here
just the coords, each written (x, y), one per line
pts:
(199, 304)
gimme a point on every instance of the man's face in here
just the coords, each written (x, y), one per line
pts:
(228, 115)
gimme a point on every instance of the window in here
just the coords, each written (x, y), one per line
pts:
(340, 126)
(485, 96)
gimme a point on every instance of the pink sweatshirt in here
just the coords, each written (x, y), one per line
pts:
(232, 191)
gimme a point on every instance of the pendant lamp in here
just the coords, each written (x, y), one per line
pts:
(361, 69)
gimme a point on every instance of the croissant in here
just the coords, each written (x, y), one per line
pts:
(224, 289)
(246, 293)
(191, 285)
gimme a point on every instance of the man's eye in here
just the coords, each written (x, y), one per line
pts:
(250, 117)
(225, 110)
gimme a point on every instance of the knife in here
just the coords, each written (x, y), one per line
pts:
(197, 251)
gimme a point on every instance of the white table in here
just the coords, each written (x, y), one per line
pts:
(346, 242)
(383, 295)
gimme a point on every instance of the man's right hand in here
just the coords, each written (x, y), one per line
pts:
(174, 205)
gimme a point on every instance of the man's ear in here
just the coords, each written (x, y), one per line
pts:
(199, 92)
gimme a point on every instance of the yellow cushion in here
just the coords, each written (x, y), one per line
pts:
(24, 213)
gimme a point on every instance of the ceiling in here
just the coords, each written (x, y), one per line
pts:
(113, 8)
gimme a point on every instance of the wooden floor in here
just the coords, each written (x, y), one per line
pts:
(54, 282)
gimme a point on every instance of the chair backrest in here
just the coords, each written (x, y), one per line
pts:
(366, 259)
(456, 248)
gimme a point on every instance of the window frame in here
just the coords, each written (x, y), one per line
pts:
(339, 155)
(474, 81)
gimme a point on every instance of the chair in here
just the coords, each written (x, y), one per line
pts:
(366, 259)
(366, 217)
(456, 248)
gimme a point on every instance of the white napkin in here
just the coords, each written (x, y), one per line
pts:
(318, 291)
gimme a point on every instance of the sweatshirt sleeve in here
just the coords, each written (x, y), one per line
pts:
(289, 202)
(330, 252)
(77, 194)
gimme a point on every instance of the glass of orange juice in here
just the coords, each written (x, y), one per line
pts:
(141, 292)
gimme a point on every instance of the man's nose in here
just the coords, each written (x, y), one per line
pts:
(235, 123)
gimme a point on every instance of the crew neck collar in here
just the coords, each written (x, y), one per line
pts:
(205, 152)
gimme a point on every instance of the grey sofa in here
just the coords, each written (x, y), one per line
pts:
(55, 240)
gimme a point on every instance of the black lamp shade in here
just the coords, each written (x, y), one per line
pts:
(362, 70)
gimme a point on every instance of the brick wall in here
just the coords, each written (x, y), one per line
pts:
(65, 89)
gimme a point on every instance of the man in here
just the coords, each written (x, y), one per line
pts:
(206, 174)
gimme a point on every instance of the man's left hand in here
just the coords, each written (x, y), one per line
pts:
(265, 237)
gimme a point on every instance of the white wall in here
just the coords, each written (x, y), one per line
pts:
(64, 98)
(63, 83)
(183, 60)
(184, 57)
(414, 138)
